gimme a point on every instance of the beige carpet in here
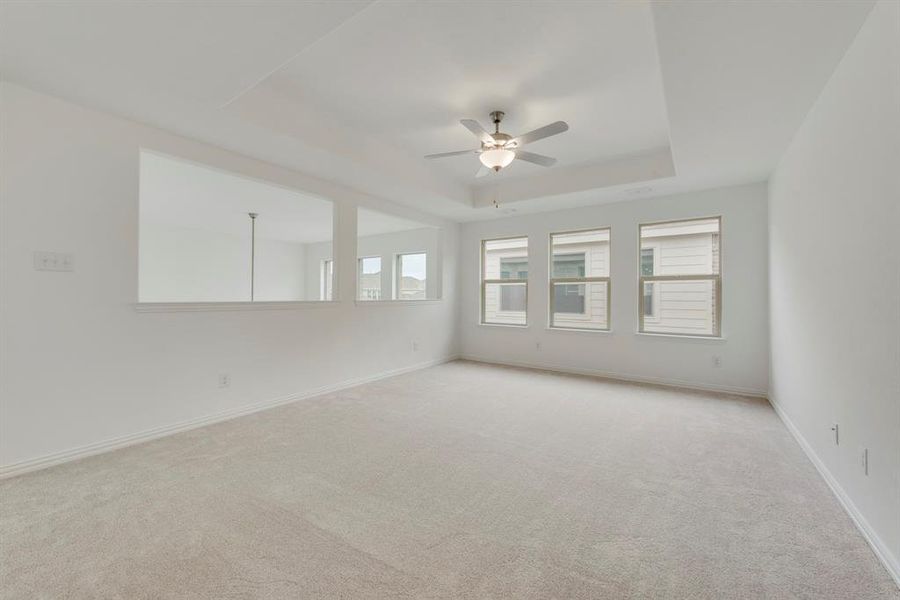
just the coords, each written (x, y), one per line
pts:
(460, 481)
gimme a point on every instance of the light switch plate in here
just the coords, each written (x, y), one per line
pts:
(53, 261)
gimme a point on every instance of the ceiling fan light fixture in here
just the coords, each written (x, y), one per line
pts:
(498, 149)
(496, 158)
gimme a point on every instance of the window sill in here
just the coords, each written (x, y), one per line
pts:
(682, 336)
(398, 302)
(578, 330)
(504, 325)
(166, 307)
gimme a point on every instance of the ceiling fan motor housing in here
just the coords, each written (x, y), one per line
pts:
(500, 140)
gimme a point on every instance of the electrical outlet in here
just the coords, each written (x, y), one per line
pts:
(224, 380)
(538, 346)
(717, 361)
(864, 458)
(415, 346)
(54, 261)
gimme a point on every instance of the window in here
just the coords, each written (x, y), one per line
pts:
(512, 298)
(504, 281)
(398, 259)
(369, 283)
(680, 277)
(647, 270)
(326, 280)
(579, 280)
(516, 268)
(568, 298)
(411, 276)
(208, 236)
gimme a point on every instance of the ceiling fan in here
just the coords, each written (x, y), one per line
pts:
(498, 149)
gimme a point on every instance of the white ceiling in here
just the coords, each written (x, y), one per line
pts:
(662, 97)
(141, 51)
(741, 76)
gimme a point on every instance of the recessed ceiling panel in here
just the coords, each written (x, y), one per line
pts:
(407, 72)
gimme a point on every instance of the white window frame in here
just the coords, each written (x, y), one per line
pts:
(485, 282)
(324, 280)
(398, 275)
(654, 316)
(551, 301)
(359, 274)
(513, 313)
(716, 278)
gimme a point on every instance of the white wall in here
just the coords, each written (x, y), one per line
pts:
(280, 271)
(621, 352)
(79, 365)
(314, 255)
(835, 279)
(193, 265)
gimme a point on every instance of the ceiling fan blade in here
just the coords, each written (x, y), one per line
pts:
(538, 159)
(445, 154)
(541, 133)
(479, 131)
(483, 171)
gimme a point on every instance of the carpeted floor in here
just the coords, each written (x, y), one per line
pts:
(459, 481)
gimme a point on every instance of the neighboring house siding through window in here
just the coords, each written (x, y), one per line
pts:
(681, 277)
(504, 289)
(579, 286)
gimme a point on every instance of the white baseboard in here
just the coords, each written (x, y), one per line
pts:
(881, 549)
(72, 454)
(683, 384)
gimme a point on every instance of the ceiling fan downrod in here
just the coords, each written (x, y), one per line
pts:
(496, 117)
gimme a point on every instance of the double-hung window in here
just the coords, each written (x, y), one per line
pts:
(680, 274)
(410, 276)
(504, 281)
(369, 278)
(579, 280)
